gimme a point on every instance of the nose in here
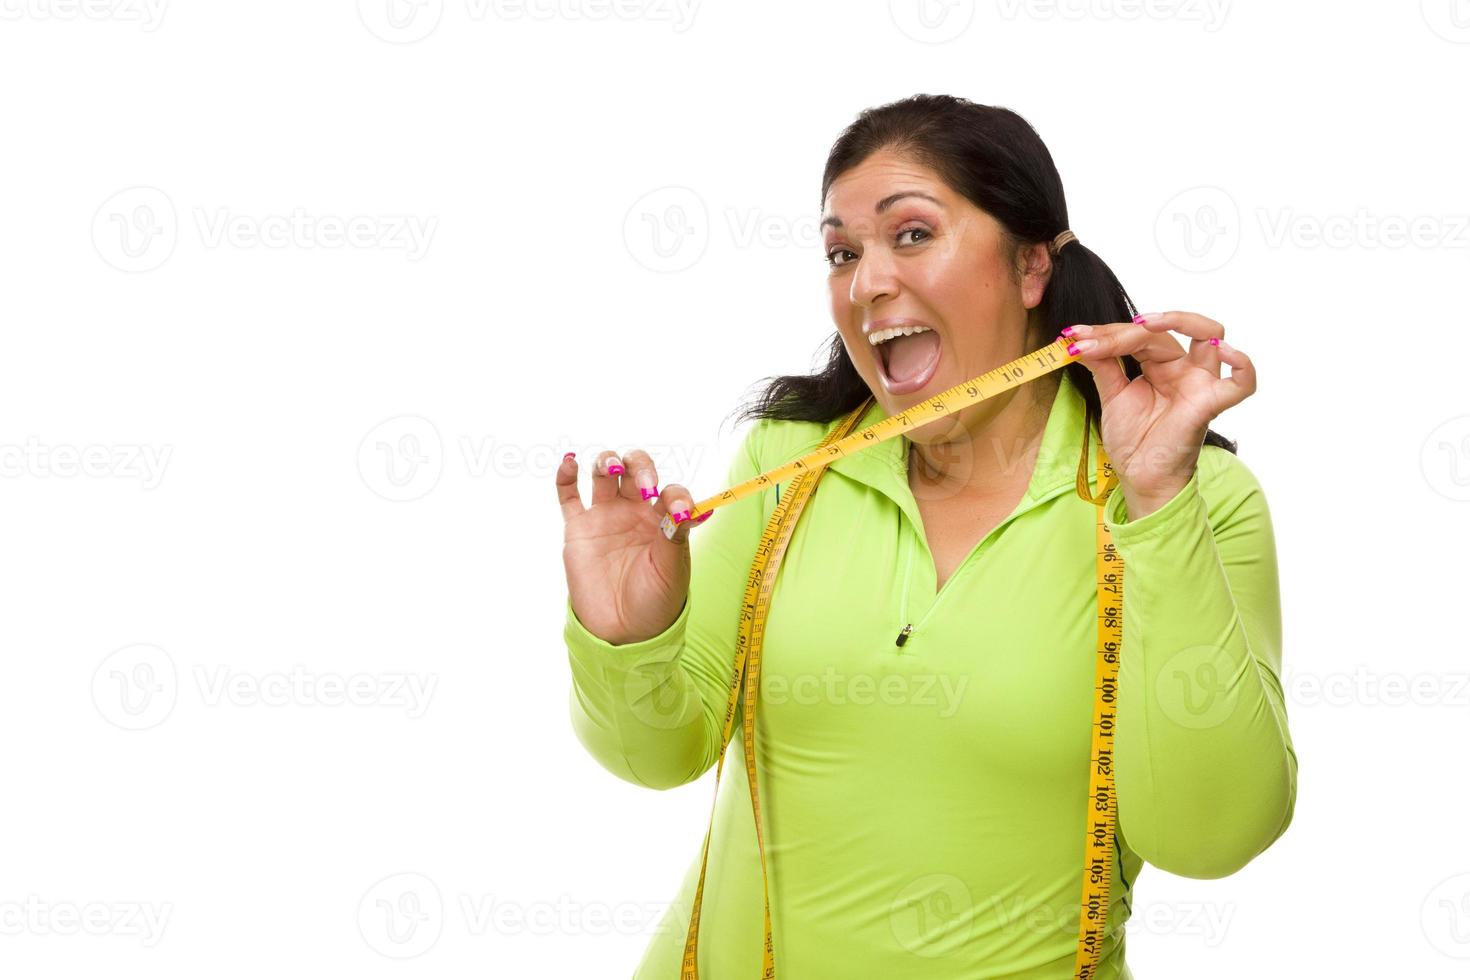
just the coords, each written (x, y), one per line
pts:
(873, 279)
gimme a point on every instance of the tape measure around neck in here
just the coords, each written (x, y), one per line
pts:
(803, 474)
(1013, 374)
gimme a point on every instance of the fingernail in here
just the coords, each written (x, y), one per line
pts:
(1066, 331)
(1082, 346)
(680, 516)
(614, 468)
(570, 456)
(1140, 319)
(646, 487)
(1215, 341)
(703, 517)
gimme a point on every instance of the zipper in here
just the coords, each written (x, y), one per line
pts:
(903, 600)
(909, 628)
(912, 533)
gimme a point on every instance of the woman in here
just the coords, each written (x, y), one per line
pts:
(923, 727)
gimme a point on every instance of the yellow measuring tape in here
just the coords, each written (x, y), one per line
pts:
(802, 475)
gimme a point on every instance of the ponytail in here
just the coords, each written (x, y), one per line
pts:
(1082, 289)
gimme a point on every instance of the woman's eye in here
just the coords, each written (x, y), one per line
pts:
(848, 251)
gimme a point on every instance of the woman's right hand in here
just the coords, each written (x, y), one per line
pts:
(625, 580)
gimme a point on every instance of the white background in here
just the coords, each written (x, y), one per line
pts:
(241, 454)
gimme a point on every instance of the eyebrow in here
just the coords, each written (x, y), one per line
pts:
(882, 206)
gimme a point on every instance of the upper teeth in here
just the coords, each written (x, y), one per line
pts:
(879, 336)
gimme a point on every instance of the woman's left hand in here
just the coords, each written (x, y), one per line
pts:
(1154, 425)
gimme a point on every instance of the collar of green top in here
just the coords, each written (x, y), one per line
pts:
(885, 465)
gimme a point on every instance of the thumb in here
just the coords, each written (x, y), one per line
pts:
(675, 521)
(1107, 373)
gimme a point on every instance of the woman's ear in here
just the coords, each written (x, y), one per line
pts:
(1035, 267)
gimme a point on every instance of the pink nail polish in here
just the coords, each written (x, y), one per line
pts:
(1215, 341)
(680, 516)
(1139, 319)
(615, 469)
(1071, 348)
(703, 517)
(570, 456)
(648, 493)
(1066, 331)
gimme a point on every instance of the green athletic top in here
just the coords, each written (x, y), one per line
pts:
(924, 804)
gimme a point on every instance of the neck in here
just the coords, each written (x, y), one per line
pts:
(989, 454)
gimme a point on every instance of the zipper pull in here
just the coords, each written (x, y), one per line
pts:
(903, 635)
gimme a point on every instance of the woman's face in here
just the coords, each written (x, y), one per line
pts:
(902, 245)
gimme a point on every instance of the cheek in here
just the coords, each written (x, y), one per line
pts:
(975, 296)
(844, 315)
(858, 348)
(955, 279)
(838, 300)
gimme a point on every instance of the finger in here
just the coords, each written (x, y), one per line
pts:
(607, 469)
(1199, 329)
(1100, 341)
(566, 487)
(1108, 376)
(1242, 381)
(1192, 325)
(676, 502)
(644, 482)
(1205, 355)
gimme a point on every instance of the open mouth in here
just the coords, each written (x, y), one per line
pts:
(907, 363)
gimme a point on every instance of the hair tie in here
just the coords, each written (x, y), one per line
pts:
(1060, 240)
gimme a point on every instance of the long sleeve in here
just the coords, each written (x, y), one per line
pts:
(652, 712)
(1206, 771)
